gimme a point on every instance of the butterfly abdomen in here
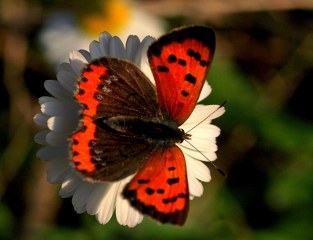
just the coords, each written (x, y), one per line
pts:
(163, 134)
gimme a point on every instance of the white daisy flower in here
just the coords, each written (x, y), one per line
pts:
(59, 115)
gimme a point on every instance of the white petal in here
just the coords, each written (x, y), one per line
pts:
(198, 170)
(81, 195)
(65, 67)
(132, 45)
(71, 181)
(57, 90)
(204, 131)
(100, 192)
(107, 205)
(206, 155)
(78, 62)
(117, 48)
(105, 39)
(219, 112)
(62, 124)
(202, 112)
(125, 214)
(50, 153)
(95, 50)
(57, 138)
(122, 205)
(41, 119)
(65, 109)
(134, 218)
(209, 156)
(45, 99)
(57, 170)
(201, 144)
(40, 137)
(85, 54)
(206, 90)
(102, 201)
(142, 60)
(195, 186)
(68, 80)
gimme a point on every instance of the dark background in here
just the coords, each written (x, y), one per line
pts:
(262, 68)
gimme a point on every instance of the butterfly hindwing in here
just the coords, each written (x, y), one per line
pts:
(160, 188)
(101, 154)
(179, 62)
(104, 91)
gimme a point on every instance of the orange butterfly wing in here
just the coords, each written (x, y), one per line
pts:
(179, 62)
(160, 187)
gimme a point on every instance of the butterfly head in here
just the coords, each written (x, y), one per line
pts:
(185, 136)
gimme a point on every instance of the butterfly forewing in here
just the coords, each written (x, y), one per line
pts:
(160, 188)
(111, 87)
(180, 61)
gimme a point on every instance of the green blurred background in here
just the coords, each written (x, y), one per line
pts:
(262, 68)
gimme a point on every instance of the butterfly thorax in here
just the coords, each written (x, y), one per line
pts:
(163, 133)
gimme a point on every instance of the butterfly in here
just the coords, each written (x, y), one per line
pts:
(130, 126)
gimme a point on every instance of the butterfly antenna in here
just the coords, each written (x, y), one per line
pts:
(220, 106)
(211, 162)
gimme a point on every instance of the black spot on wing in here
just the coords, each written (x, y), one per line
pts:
(184, 93)
(182, 62)
(160, 191)
(84, 79)
(172, 58)
(85, 106)
(143, 181)
(182, 195)
(190, 78)
(83, 129)
(88, 69)
(203, 63)
(190, 52)
(149, 191)
(172, 181)
(162, 69)
(75, 154)
(169, 200)
(81, 92)
(197, 56)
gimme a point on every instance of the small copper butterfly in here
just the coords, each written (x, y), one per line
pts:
(129, 126)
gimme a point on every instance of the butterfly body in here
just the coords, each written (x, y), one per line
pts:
(157, 132)
(129, 126)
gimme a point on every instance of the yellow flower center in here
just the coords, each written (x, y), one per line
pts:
(111, 18)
